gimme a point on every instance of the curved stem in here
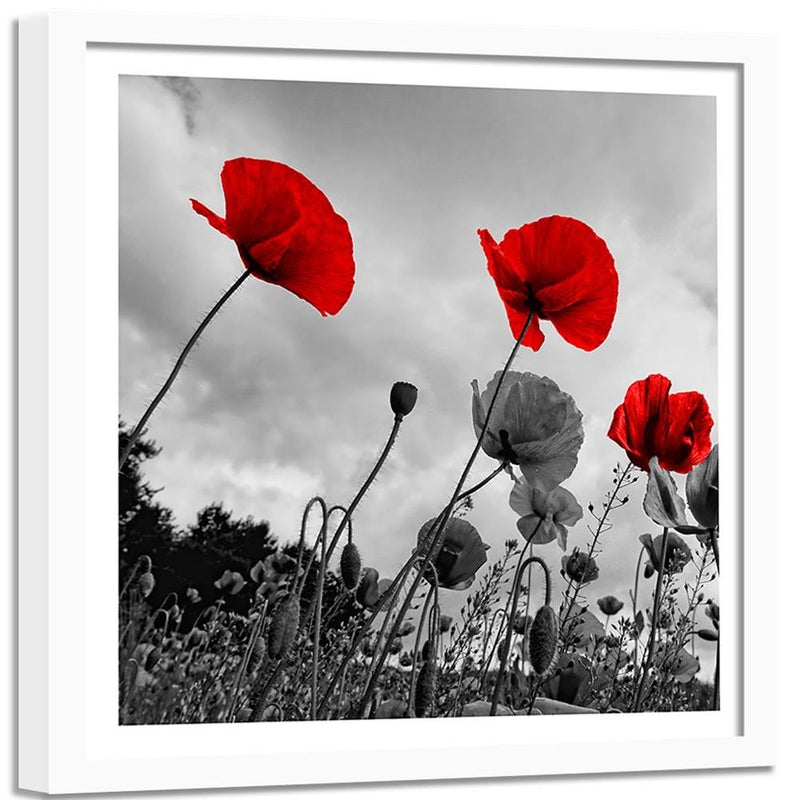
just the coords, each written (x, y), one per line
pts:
(510, 626)
(436, 543)
(137, 431)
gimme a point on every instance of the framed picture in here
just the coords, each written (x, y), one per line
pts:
(400, 359)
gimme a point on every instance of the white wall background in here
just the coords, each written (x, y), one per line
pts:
(681, 15)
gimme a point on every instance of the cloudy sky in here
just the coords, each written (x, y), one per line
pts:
(278, 404)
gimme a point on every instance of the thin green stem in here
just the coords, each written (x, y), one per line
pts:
(137, 431)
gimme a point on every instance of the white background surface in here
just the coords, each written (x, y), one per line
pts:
(682, 16)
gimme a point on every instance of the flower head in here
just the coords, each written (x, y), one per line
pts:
(562, 270)
(675, 428)
(544, 516)
(533, 424)
(678, 553)
(610, 605)
(580, 567)
(286, 231)
(461, 555)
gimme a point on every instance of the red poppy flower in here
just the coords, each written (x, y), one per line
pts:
(560, 268)
(652, 423)
(286, 231)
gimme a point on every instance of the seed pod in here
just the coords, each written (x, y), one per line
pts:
(257, 654)
(350, 565)
(146, 583)
(425, 693)
(403, 398)
(283, 629)
(543, 640)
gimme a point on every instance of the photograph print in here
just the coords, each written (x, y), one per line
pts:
(417, 402)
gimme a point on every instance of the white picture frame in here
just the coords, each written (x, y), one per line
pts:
(69, 739)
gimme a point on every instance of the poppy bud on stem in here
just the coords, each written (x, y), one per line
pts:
(403, 398)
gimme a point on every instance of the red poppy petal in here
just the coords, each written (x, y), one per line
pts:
(582, 307)
(551, 249)
(318, 265)
(214, 220)
(262, 199)
(512, 291)
(687, 440)
(636, 423)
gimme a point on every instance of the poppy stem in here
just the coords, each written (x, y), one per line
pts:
(445, 516)
(137, 431)
(654, 622)
(635, 602)
(433, 591)
(504, 654)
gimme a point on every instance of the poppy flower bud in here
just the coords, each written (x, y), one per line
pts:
(543, 639)
(350, 565)
(580, 567)
(425, 693)
(284, 625)
(146, 583)
(192, 595)
(610, 605)
(403, 398)
(445, 622)
(367, 592)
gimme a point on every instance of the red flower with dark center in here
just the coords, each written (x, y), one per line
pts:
(561, 269)
(675, 428)
(286, 231)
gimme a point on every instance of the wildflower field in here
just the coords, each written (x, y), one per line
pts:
(222, 622)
